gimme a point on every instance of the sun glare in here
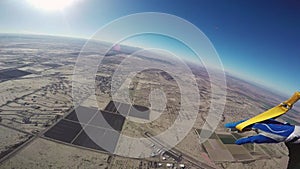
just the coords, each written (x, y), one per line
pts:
(51, 5)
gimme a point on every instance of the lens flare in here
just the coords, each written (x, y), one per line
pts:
(51, 5)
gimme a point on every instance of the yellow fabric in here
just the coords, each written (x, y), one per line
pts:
(271, 113)
(293, 99)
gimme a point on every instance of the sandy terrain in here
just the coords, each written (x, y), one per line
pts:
(9, 138)
(34, 102)
(47, 154)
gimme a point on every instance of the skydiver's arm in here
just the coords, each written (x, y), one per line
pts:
(294, 149)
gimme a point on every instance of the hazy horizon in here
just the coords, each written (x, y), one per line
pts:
(255, 40)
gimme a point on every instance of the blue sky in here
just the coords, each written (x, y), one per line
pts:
(256, 40)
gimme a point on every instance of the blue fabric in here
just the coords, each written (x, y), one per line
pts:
(278, 129)
(255, 139)
(270, 126)
(233, 124)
